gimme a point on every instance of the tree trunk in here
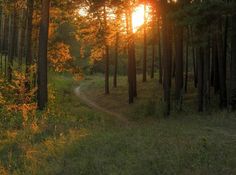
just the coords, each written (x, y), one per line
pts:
(116, 60)
(130, 77)
(222, 68)
(11, 48)
(206, 76)
(200, 65)
(42, 61)
(186, 61)
(145, 44)
(159, 52)
(107, 59)
(2, 38)
(195, 73)
(179, 73)
(215, 65)
(28, 58)
(233, 65)
(153, 45)
(20, 39)
(167, 46)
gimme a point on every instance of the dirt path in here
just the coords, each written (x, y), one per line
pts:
(94, 105)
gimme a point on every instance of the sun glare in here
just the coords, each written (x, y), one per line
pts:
(138, 17)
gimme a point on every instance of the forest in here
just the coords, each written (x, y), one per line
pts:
(130, 87)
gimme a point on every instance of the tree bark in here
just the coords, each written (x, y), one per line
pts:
(2, 37)
(145, 44)
(159, 52)
(167, 47)
(233, 65)
(153, 45)
(200, 65)
(179, 73)
(107, 57)
(42, 61)
(116, 60)
(222, 68)
(186, 61)
(28, 58)
(11, 48)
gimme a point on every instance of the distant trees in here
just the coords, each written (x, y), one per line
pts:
(184, 43)
(190, 41)
(17, 18)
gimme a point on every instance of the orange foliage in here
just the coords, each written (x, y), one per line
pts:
(59, 57)
(16, 98)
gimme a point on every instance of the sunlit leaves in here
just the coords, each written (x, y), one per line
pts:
(59, 57)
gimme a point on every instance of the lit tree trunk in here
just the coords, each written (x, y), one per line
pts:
(42, 61)
(107, 91)
(145, 44)
(153, 44)
(28, 58)
(159, 52)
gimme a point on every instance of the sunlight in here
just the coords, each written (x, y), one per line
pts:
(138, 17)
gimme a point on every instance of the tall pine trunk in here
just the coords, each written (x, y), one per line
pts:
(159, 52)
(42, 61)
(11, 45)
(28, 58)
(200, 85)
(233, 65)
(145, 44)
(167, 57)
(179, 73)
(129, 71)
(116, 60)
(107, 57)
(222, 68)
(186, 61)
(153, 45)
(2, 38)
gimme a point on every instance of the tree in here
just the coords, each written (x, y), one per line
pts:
(28, 58)
(42, 97)
(11, 39)
(167, 56)
(145, 43)
(107, 52)
(233, 65)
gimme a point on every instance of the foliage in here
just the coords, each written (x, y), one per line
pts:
(59, 57)
(16, 98)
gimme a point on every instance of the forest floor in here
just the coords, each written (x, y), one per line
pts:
(96, 106)
(89, 135)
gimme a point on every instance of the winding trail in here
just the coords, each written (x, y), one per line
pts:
(94, 105)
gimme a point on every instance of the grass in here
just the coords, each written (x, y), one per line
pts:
(76, 139)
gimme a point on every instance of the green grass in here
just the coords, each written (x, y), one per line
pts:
(77, 140)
